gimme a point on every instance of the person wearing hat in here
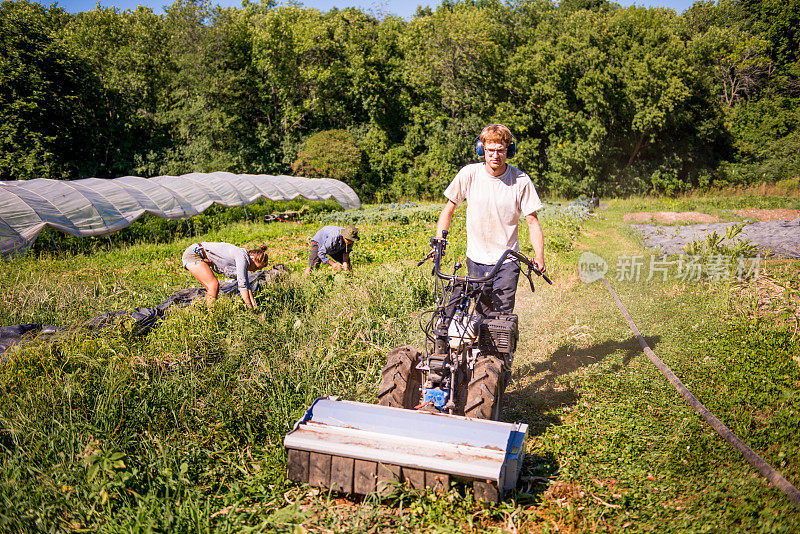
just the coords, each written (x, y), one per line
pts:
(331, 245)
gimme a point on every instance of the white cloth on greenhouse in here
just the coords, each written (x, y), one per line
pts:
(99, 207)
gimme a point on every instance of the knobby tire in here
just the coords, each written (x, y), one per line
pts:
(485, 390)
(401, 381)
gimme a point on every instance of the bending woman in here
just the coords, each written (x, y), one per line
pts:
(201, 259)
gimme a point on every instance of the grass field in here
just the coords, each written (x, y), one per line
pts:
(181, 430)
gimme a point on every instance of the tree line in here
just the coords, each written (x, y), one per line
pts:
(601, 98)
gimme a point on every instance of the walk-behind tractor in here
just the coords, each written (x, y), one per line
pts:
(467, 357)
(437, 409)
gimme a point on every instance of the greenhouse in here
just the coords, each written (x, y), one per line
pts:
(95, 207)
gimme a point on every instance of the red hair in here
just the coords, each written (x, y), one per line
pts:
(496, 133)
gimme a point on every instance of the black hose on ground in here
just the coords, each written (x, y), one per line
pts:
(752, 458)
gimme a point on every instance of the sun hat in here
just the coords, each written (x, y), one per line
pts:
(350, 233)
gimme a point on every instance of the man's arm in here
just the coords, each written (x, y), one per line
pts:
(445, 218)
(344, 266)
(322, 250)
(333, 247)
(242, 263)
(537, 240)
(331, 243)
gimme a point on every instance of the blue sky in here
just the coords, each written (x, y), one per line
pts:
(403, 8)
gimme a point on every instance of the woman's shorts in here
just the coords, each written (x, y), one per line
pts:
(192, 255)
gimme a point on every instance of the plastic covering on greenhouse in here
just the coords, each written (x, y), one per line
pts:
(97, 207)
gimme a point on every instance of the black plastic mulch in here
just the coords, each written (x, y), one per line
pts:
(143, 319)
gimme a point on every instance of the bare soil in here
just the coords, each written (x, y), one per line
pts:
(672, 217)
(774, 237)
(769, 215)
(669, 217)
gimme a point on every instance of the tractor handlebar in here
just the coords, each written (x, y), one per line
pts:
(438, 250)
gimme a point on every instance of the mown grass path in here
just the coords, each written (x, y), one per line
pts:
(621, 447)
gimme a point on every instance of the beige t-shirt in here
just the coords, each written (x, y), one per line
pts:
(494, 206)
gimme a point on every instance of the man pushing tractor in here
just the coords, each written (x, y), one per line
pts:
(497, 194)
(472, 334)
(462, 371)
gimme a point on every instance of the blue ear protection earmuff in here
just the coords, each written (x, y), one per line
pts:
(510, 151)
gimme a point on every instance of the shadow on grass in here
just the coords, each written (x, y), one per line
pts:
(569, 358)
(536, 403)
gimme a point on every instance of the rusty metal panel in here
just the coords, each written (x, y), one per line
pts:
(414, 477)
(387, 476)
(319, 470)
(365, 475)
(437, 481)
(486, 491)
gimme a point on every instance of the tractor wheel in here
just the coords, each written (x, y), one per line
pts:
(485, 389)
(462, 390)
(401, 381)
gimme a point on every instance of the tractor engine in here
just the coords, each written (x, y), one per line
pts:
(498, 334)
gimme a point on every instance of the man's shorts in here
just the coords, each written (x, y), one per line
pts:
(192, 255)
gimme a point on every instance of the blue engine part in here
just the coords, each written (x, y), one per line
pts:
(437, 395)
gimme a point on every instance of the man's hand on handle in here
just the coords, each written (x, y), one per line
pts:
(539, 265)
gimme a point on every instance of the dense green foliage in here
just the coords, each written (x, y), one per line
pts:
(601, 98)
(331, 154)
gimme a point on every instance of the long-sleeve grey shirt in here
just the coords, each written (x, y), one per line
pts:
(228, 260)
(329, 240)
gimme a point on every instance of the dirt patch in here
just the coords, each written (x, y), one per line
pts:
(672, 217)
(769, 215)
(768, 297)
(564, 492)
(669, 217)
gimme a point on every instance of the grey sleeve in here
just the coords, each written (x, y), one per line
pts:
(242, 263)
(322, 250)
(327, 241)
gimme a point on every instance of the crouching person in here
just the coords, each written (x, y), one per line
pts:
(331, 245)
(206, 258)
